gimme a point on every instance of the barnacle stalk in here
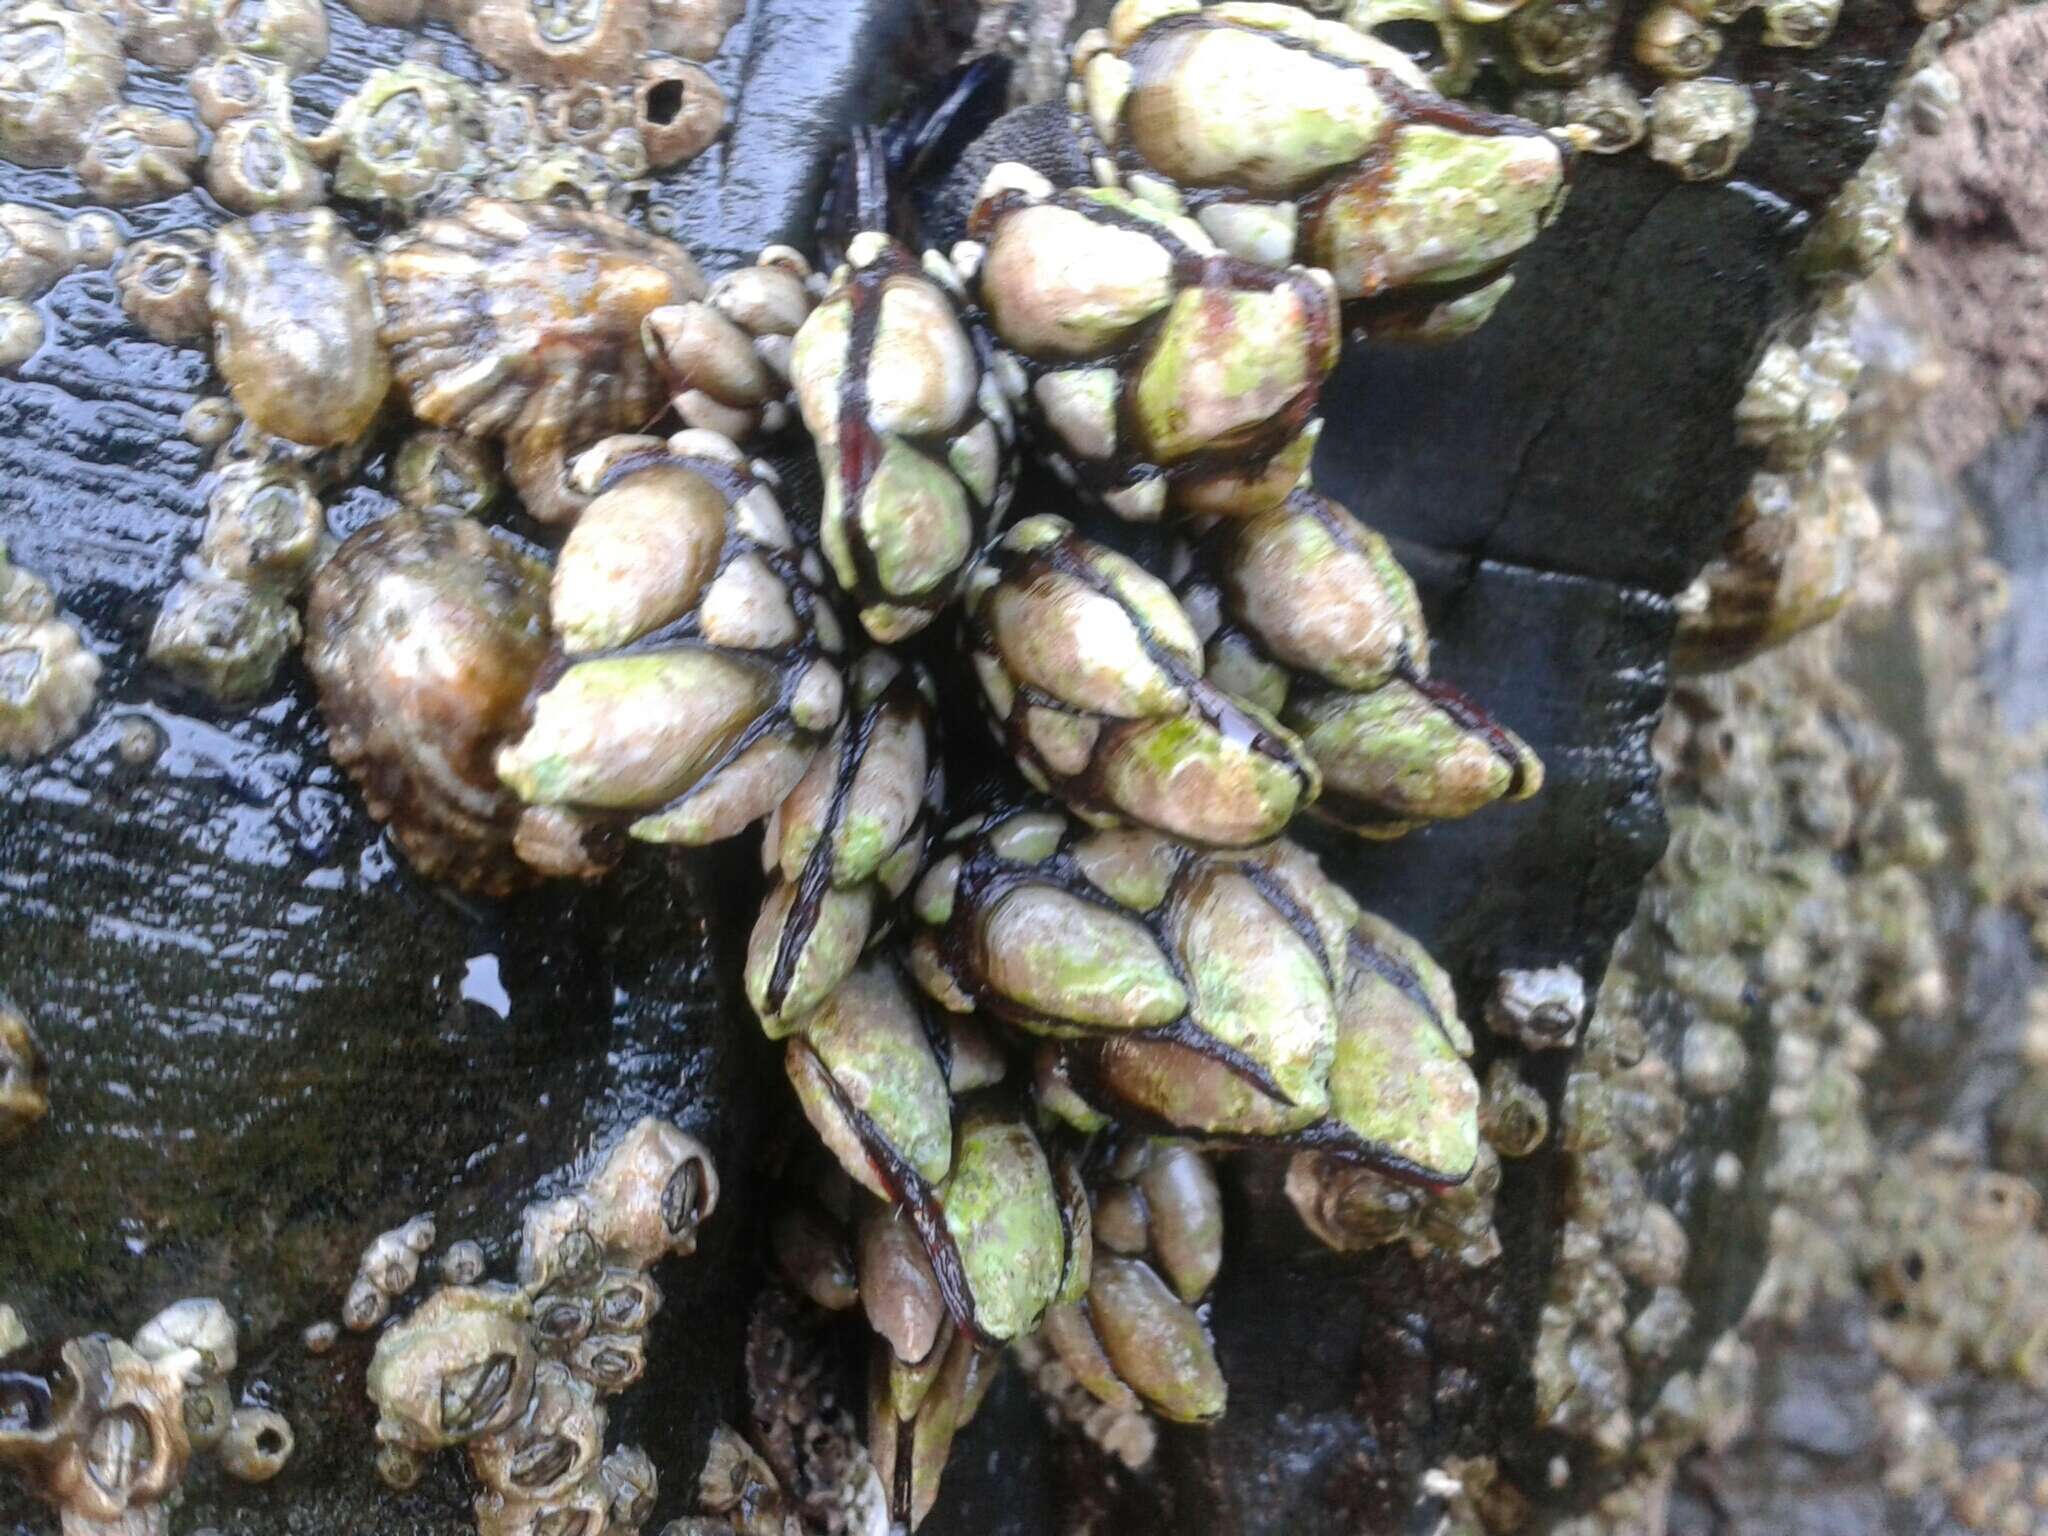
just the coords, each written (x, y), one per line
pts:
(1305, 612)
(1093, 675)
(1241, 1000)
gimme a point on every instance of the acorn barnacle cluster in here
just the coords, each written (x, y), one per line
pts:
(105, 1432)
(517, 1373)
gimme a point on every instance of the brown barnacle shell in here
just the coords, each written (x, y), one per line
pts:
(459, 1367)
(34, 252)
(651, 1194)
(424, 634)
(678, 108)
(137, 155)
(264, 524)
(691, 29)
(24, 1075)
(557, 42)
(295, 327)
(1675, 43)
(257, 164)
(165, 285)
(106, 1437)
(165, 34)
(292, 32)
(48, 678)
(231, 85)
(59, 69)
(521, 321)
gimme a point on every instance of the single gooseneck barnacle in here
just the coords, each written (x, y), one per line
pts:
(1136, 1339)
(848, 840)
(1294, 138)
(1094, 677)
(1157, 369)
(913, 436)
(1305, 612)
(695, 675)
(1245, 1000)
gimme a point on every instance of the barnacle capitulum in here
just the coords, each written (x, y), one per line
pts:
(21, 333)
(259, 165)
(678, 109)
(1305, 612)
(424, 634)
(521, 322)
(1093, 674)
(1136, 1338)
(165, 284)
(1788, 564)
(699, 673)
(48, 678)
(295, 327)
(264, 525)
(1157, 370)
(726, 358)
(1241, 999)
(1563, 40)
(913, 437)
(446, 472)
(164, 34)
(24, 1075)
(59, 69)
(137, 155)
(846, 842)
(1352, 1208)
(1701, 127)
(557, 43)
(1291, 137)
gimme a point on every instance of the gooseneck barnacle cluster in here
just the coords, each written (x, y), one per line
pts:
(1024, 1027)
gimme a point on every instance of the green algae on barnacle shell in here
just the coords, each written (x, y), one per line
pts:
(1160, 371)
(699, 676)
(295, 319)
(889, 383)
(1093, 675)
(1293, 137)
(521, 322)
(1245, 999)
